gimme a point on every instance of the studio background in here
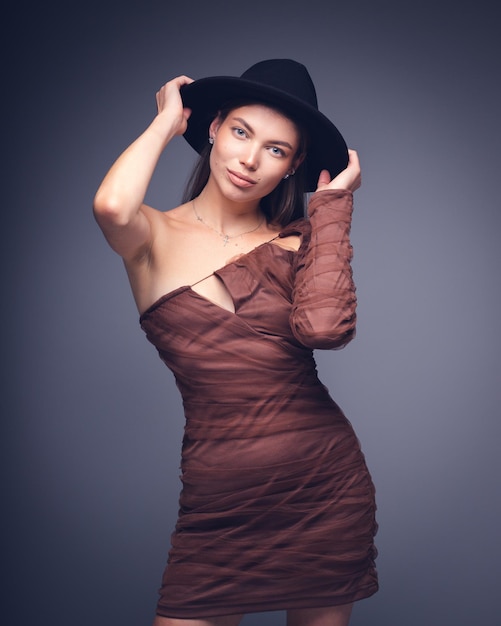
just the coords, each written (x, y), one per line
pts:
(91, 419)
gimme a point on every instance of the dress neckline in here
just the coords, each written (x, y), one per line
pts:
(189, 288)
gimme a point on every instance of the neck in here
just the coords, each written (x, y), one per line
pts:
(225, 215)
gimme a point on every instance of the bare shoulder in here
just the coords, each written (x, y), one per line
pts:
(173, 220)
(173, 234)
(166, 225)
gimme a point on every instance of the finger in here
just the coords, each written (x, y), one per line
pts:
(353, 158)
(183, 80)
(324, 178)
(177, 82)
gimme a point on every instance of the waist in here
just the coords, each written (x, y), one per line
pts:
(260, 411)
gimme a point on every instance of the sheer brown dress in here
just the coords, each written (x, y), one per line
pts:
(277, 506)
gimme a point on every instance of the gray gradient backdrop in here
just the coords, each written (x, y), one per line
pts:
(91, 419)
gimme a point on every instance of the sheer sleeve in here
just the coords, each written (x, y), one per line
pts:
(324, 302)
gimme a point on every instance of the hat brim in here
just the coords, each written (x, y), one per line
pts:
(205, 97)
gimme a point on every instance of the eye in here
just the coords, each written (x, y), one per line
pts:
(277, 151)
(239, 132)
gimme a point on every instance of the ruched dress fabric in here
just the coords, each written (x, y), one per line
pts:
(277, 507)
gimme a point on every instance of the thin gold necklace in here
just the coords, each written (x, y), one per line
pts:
(223, 236)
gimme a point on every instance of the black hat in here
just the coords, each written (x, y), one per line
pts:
(280, 83)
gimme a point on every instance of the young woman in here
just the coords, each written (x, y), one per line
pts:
(236, 288)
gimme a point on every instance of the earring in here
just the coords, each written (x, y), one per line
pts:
(291, 173)
(211, 140)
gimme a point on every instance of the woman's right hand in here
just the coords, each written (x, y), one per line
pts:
(119, 202)
(170, 105)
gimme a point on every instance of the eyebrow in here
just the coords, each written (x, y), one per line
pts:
(286, 144)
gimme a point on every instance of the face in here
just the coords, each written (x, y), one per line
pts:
(254, 148)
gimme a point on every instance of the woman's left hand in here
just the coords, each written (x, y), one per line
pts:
(350, 178)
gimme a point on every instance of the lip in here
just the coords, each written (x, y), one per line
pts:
(240, 179)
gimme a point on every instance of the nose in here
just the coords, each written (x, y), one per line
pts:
(249, 157)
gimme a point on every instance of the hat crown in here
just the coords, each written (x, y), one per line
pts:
(286, 75)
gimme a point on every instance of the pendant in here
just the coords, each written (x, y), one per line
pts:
(225, 240)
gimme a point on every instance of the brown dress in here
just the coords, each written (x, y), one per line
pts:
(277, 506)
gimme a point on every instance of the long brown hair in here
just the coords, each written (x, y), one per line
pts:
(284, 204)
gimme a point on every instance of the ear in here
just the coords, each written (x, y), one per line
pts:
(214, 126)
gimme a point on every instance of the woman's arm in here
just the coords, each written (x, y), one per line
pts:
(118, 205)
(324, 301)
